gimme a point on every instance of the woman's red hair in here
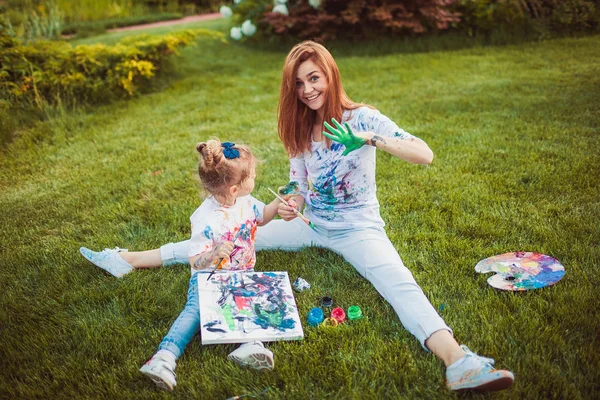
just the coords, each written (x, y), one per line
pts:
(295, 119)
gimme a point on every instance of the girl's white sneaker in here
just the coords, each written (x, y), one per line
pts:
(161, 371)
(109, 260)
(253, 355)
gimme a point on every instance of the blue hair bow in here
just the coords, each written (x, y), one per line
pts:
(229, 152)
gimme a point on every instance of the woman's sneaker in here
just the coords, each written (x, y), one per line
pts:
(161, 371)
(477, 373)
(253, 355)
(109, 260)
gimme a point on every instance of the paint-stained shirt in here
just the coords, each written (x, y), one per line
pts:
(214, 223)
(340, 191)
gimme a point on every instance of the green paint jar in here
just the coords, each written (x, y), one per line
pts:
(354, 312)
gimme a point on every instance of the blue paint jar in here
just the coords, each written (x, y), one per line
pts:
(315, 316)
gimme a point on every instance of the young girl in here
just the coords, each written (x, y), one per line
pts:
(223, 228)
(336, 175)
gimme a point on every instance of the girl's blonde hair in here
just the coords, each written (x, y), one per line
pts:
(295, 119)
(217, 172)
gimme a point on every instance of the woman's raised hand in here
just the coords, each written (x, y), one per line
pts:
(344, 136)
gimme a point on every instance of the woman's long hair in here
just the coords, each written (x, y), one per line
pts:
(295, 119)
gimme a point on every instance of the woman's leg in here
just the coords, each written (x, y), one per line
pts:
(286, 235)
(372, 254)
(375, 258)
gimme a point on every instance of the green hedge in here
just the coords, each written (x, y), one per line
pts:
(50, 73)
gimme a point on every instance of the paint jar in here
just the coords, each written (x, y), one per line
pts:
(315, 316)
(354, 312)
(300, 285)
(338, 314)
(326, 302)
(330, 322)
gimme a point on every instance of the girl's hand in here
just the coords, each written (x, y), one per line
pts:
(212, 258)
(286, 212)
(222, 250)
(344, 136)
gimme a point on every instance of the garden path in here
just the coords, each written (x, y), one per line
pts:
(185, 20)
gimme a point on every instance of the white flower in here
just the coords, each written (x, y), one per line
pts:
(235, 33)
(237, 1)
(281, 9)
(248, 28)
(225, 11)
(314, 3)
(275, 2)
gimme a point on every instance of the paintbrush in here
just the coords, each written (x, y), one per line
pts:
(298, 213)
(222, 260)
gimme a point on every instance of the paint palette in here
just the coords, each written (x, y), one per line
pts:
(521, 271)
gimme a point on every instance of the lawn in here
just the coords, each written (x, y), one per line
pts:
(515, 131)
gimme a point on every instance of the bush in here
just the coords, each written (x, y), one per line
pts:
(53, 73)
(544, 16)
(328, 19)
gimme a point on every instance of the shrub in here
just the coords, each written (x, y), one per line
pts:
(545, 16)
(52, 73)
(346, 18)
(328, 19)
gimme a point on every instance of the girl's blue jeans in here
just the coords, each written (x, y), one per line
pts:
(186, 325)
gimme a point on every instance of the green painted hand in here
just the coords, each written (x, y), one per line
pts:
(344, 136)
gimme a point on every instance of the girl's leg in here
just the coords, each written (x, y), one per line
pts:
(279, 234)
(167, 255)
(161, 367)
(186, 325)
(142, 259)
(119, 262)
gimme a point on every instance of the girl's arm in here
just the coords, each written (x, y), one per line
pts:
(410, 149)
(270, 212)
(299, 174)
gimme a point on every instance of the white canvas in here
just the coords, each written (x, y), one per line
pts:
(239, 307)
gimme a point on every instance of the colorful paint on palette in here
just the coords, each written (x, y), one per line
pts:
(521, 271)
(238, 307)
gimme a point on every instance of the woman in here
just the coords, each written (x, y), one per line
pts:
(336, 175)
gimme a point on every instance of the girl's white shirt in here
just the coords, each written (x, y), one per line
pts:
(340, 191)
(213, 223)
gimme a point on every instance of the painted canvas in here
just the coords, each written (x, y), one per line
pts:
(520, 271)
(238, 307)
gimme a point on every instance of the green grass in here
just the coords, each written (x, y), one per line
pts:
(515, 133)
